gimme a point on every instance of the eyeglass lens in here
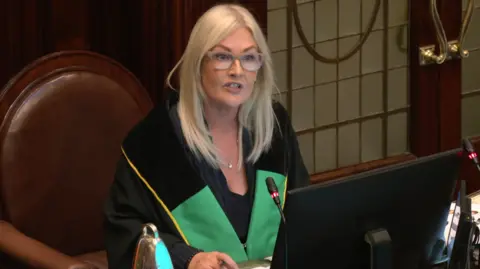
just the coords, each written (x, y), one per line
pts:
(249, 61)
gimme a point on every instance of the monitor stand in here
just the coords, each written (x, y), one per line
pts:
(380, 249)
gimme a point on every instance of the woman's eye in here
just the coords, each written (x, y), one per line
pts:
(222, 57)
(249, 57)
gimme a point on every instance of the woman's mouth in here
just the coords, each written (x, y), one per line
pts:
(233, 87)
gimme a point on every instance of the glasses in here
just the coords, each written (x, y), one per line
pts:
(250, 61)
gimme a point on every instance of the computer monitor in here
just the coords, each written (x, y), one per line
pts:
(327, 222)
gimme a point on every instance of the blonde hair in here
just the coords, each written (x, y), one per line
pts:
(256, 114)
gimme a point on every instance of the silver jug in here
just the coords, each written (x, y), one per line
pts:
(151, 252)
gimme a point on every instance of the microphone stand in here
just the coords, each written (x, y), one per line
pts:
(273, 190)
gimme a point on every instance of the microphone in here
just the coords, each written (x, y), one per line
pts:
(273, 190)
(472, 154)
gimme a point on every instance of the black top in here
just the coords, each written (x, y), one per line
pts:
(237, 207)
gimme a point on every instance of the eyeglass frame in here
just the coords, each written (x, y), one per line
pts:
(211, 55)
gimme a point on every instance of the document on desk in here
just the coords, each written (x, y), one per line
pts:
(254, 266)
(264, 266)
(257, 264)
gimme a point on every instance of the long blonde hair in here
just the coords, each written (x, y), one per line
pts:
(256, 114)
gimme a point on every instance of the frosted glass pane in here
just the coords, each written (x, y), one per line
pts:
(372, 140)
(348, 144)
(397, 134)
(325, 150)
(305, 143)
(302, 109)
(471, 116)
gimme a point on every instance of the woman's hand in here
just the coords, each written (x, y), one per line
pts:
(212, 260)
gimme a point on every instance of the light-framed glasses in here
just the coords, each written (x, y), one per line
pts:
(222, 60)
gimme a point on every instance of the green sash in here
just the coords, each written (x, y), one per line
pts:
(204, 224)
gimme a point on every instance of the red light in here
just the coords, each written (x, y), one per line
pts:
(274, 194)
(472, 155)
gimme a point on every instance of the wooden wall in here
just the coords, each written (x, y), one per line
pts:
(147, 36)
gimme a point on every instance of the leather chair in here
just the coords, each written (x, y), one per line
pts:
(63, 120)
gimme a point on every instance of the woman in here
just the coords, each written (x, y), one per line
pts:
(196, 167)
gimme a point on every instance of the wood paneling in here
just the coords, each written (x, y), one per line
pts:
(128, 31)
(435, 90)
(68, 24)
(423, 82)
(23, 27)
(450, 83)
(450, 89)
(146, 36)
(153, 44)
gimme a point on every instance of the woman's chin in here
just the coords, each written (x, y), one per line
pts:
(233, 101)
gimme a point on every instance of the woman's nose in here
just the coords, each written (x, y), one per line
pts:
(236, 69)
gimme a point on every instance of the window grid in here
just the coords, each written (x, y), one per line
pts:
(470, 81)
(386, 28)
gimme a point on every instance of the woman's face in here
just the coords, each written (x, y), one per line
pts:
(230, 69)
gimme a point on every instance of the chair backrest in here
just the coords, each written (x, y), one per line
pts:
(63, 120)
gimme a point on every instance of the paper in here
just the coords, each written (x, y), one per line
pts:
(256, 264)
(264, 267)
(454, 219)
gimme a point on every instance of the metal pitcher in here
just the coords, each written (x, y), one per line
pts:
(151, 252)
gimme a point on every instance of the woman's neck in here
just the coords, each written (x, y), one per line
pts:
(221, 119)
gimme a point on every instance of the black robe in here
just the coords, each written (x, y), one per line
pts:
(161, 156)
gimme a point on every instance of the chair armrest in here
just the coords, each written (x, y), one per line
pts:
(33, 252)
